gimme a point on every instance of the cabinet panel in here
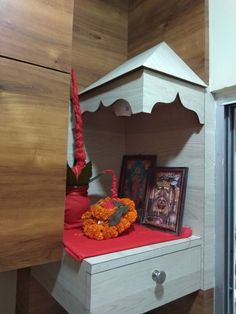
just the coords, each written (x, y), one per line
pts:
(37, 31)
(33, 124)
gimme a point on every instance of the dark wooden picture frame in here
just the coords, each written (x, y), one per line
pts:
(134, 174)
(165, 198)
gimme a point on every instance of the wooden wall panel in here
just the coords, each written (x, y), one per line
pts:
(33, 136)
(173, 134)
(181, 23)
(8, 292)
(106, 33)
(38, 32)
(32, 298)
(200, 302)
(104, 139)
(99, 38)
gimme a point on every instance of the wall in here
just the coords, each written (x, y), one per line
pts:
(32, 298)
(100, 37)
(200, 302)
(222, 44)
(176, 137)
(106, 33)
(7, 292)
(182, 24)
(104, 137)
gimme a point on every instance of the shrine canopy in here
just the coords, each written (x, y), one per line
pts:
(157, 75)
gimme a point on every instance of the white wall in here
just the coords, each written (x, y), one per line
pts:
(174, 134)
(7, 292)
(222, 43)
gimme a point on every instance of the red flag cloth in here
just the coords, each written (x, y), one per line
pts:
(80, 247)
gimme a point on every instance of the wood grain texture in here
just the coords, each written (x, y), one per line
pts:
(100, 35)
(32, 298)
(125, 278)
(136, 90)
(200, 302)
(134, 282)
(33, 124)
(38, 32)
(7, 292)
(182, 24)
(160, 58)
(174, 134)
(100, 130)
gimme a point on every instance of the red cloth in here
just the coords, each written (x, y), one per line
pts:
(76, 204)
(80, 247)
(79, 152)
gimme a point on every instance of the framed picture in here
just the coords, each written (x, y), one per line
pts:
(134, 174)
(165, 198)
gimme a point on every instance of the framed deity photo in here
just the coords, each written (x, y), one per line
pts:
(165, 198)
(134, 175)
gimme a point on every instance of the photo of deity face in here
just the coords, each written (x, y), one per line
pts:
(165, 196)
(133, 180)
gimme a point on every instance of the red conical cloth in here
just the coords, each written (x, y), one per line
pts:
(79, 153)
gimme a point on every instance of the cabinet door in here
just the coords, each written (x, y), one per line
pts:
(37, 31)
(33, 135)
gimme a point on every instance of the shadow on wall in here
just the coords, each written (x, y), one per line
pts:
(165, 132)
(199, 302)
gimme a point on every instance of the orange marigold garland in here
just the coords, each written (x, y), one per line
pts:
(110, 216)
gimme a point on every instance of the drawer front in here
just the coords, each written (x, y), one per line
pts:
(131, 289)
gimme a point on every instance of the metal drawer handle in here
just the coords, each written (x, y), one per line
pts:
(159, 276)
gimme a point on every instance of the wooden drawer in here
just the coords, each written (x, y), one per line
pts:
(122, 282)
(131, 288)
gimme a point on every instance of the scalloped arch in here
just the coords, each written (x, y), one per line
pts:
(127, 106)
(156, 75)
